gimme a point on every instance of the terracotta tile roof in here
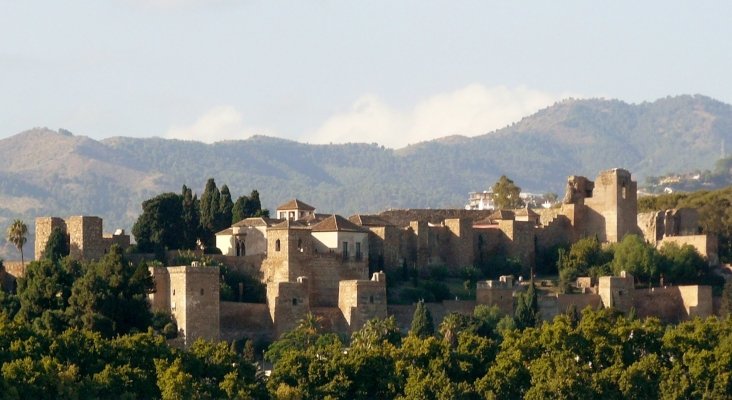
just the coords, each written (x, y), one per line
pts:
(368, 220)
(502, 214)
(257, 221)
(296, 204)
(312, 219)
(337, 223)
(227, 231)
(290, 224)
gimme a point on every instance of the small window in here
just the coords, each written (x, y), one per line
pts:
(299, 244)
(173, 292)
(345, 250)
(277, 245)
(201, 291)
(292, 214)
(371, 299)
(294, 301)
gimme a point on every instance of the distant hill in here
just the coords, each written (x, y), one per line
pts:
(44, 172)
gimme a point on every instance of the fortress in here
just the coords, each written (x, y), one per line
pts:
(336, 267)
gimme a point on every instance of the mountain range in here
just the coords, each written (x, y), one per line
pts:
(47, 172)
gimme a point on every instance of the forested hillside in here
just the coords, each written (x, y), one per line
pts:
(47, 172)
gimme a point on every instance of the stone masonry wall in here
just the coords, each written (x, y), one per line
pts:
(44, 226)
(361, 300)
(195, 301)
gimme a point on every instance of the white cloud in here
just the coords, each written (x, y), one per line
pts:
(472, 110)
(219, 123)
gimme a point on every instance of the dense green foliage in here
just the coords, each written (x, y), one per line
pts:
(57, 246)
(601, 354)
(160, 226)
(170, 221)
(673, 263)
(422, 324)
(38, 364)
(248, 206)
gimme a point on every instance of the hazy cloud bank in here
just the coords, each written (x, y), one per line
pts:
(469, 111)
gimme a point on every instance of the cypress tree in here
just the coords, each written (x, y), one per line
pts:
(209, 210)
(422, 324)
(223, 218)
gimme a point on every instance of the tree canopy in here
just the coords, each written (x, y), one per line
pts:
(17, 234)
(506, 194)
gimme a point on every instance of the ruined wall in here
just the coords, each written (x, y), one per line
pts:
(288, 302)
(44, 226)
(706, 245)
(651, 226)
(617, 291)
(15, 268)
(697, 300)
(614, 204)
(245, 320)
(361, 300)
(498, 293)
(85, 237)
(580, 301)
(460, 242)
(326, 271)
(160, 297)
(521, 241)
(194, 302)
(664, 303)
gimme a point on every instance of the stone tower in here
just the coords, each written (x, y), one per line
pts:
(613, 208)
(191, 295)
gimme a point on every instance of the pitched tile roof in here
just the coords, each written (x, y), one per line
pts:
(368, 220)
(257, 221)
(290, 224)
(337, 223)
(227, 231)
(296, 204)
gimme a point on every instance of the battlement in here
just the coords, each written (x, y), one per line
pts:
(85, 236)
(362, 300)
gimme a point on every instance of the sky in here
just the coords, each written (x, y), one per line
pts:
(387, 72)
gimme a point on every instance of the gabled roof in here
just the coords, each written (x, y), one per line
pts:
(296, 204)
(290, 224)
(336, 223)
(368, 220)
(502, 214)
(257, 221)
(227, 231)
(313, 218)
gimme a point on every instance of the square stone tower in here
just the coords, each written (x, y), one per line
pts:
(613, 208)
(194, 301)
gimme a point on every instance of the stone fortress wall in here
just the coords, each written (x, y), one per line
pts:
(305, 269)
(86, 238)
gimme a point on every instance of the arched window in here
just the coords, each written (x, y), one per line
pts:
(277, 245)
(294, 301)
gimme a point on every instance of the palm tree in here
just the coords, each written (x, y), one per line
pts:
(17, 235)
